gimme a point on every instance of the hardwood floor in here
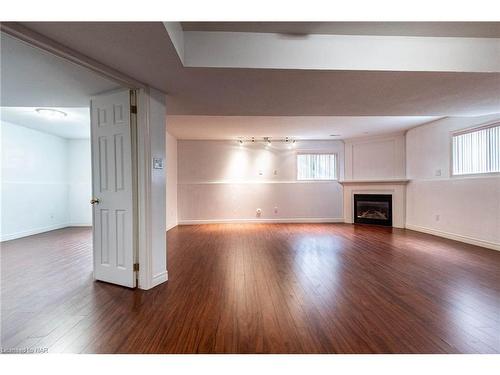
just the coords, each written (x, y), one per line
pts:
(255, 288)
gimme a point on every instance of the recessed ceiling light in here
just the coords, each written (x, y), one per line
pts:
(51, 113)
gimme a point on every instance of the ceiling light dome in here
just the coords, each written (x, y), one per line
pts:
(51, 113)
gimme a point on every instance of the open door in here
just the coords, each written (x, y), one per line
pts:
(113, 187)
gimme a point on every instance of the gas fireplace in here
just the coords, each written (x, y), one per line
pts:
(373, 209)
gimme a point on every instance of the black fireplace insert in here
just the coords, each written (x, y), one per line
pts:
(373, 209)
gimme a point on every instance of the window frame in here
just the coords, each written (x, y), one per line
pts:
(317, 152)
(454, 133)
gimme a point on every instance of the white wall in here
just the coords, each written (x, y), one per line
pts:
(339, 52)
(463, 208)
(171, 173)
(80, 182)
(221, 181)
(376, 157)
(37, 195)
(157, 115)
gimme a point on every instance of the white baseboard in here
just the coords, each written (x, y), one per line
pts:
(456, 237)
(171, 226)
(159, 278)
(31, 232)
(79, 225)
(267, 221)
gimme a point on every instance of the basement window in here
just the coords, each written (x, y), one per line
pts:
(316, 167)
(476, 151)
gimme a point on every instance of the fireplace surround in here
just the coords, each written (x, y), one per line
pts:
(394, 187)
(373, 209)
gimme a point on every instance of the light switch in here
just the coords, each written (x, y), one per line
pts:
(157, 163)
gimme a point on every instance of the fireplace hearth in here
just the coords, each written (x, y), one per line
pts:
(373, 209)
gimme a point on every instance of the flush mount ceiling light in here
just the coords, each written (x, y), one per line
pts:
(51, 113)
(334, 135)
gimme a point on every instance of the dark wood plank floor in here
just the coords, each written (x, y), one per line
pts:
(281, 288)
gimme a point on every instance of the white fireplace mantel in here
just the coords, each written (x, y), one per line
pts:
(394, 187)
(383, 181)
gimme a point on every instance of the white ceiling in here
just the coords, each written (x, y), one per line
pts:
(436, 29)
(145, 52)
(269, 92)
(76, 125)
(299, 127)
(31, 77)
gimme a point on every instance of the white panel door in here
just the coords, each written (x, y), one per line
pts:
(112, 186)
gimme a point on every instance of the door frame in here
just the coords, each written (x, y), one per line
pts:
(142, 152)
(40, 41)
(143, 162)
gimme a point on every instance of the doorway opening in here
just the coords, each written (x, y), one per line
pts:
(46, 226)
(46, 170)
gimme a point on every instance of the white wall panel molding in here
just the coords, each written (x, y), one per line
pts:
(377, 157)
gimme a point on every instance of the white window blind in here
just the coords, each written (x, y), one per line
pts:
(316, 166)
(477, 151)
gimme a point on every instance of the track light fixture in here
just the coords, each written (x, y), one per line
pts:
(267, 140)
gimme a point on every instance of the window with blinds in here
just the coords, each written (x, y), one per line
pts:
(477, 151)
(316, 167)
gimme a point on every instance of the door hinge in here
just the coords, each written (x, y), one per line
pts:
(136, 267)
(133, 109)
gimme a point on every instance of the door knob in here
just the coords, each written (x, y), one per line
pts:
(94, 201)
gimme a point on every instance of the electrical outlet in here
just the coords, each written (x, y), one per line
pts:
(275, 210)
(260, 172)
(437, 172)
(437, 217)
(275, 172)
(258, 212)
